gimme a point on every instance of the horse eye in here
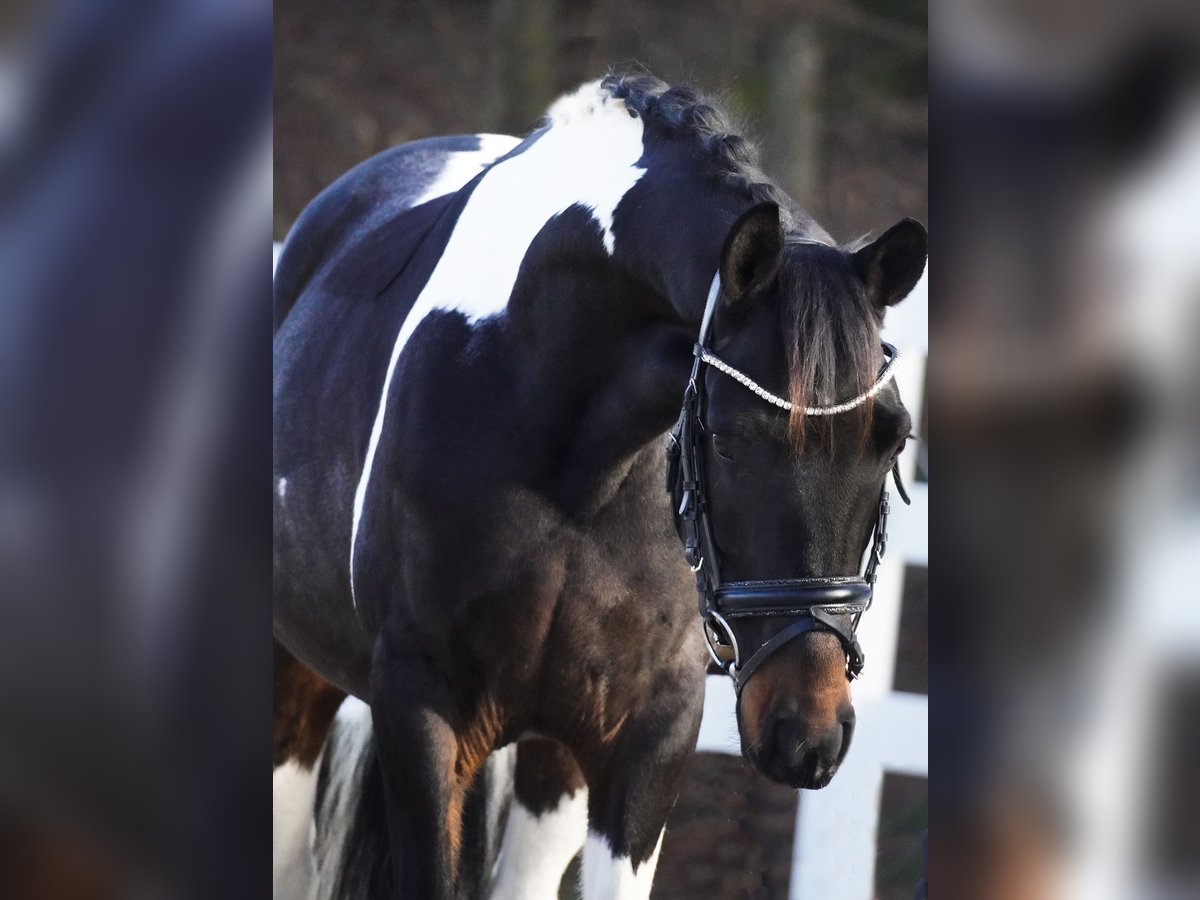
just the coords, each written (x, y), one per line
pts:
(716, 442)
(902, 445)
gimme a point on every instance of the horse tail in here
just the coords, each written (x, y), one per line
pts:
(349, 826)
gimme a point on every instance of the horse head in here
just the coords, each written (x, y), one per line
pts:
(779, 495)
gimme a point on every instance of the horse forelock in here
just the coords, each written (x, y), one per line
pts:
(831, 333)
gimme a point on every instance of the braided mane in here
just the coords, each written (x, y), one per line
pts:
(831, 331)
(682, 110)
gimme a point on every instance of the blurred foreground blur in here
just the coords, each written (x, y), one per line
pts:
(1066, 622)
(134, 428)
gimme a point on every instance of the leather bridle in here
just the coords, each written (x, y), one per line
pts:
(832, 603)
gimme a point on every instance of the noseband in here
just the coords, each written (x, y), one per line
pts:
(833, 603)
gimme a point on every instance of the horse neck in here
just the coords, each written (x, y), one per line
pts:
(605, 352)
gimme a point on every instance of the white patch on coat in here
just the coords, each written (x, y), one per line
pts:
(538, 848)
(609, 877)
(589, 160)
(293, 874)
(582, 103)
(502, 772)
(464, 165)
(281, 488)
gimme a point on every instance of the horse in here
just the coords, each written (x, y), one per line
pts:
(481, 347)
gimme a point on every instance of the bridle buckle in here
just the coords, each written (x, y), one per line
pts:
(724, 653)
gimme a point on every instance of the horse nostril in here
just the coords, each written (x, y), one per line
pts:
(792, 752)
(790, 743)
(847, 732)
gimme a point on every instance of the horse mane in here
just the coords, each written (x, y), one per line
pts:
(684, 111)
(830, 329)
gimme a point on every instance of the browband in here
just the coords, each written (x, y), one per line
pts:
(703, 354)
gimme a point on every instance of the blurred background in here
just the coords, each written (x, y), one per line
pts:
(836, 91)
(836, 94)
(1063, 383)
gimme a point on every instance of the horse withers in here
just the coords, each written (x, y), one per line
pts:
(481, 345)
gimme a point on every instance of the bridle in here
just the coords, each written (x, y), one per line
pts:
(832, 603)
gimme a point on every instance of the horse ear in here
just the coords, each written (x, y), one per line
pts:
(891, 265)
(752, 250)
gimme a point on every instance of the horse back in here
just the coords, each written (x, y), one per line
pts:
(347, 277)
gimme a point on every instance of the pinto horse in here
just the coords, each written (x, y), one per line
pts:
(481, 343)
